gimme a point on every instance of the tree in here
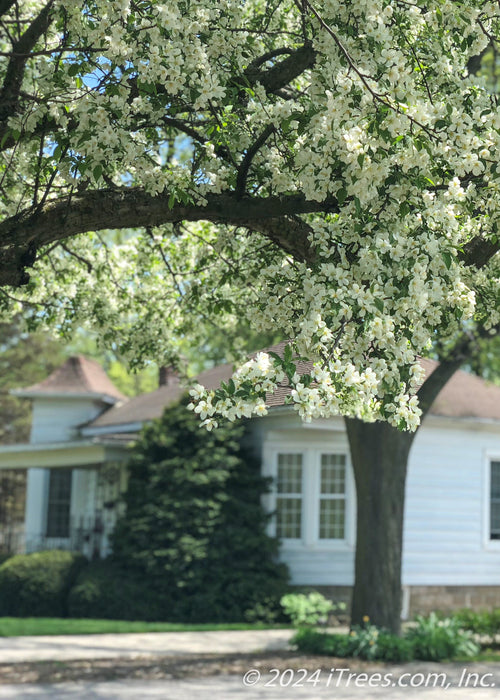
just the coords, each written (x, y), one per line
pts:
(194, 525)
(379, 455)
(328, 173)
(23, 360)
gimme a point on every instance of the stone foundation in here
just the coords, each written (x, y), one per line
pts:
(424, 599)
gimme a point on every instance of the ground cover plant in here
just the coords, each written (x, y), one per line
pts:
(430, 639)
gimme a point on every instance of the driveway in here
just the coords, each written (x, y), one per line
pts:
(108, 646)
(232, 688)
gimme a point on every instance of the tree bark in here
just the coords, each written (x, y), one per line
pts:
(379, 455)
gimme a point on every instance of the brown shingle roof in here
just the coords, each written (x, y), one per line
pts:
(464, 396)
(78, 375)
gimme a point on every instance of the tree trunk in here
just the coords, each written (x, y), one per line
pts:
(379, 456)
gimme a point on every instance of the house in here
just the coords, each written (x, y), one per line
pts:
(77, 453)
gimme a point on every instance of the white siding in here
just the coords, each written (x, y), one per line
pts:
(445, 533)
(56, 419)
(311, 561)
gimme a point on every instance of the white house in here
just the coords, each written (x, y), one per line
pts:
(77, 454)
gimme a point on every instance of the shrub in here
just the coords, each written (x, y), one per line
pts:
(394, 649)
(434, 639)
(194, 526)
(481, 622)
(308, 609)
(104, 590)
(37, 585)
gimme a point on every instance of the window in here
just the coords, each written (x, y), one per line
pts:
(495, 500)
(289, 496)
(312, 497)
(332, 497)
(59, 503)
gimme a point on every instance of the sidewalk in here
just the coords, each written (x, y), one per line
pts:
(108, 646)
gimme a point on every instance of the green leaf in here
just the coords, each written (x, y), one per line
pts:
(341, 196)
(171, 200)
(447, 258)
(276, 357)
(379, 303)
(404, 208)
(97, 171)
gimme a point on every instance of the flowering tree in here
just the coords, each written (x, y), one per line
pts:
(327, 170)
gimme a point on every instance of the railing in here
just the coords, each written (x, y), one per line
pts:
(85, 537)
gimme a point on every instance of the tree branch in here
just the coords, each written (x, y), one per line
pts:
(14, 75)
(5, 6)
(458, 355)
(478, 252)
(241, 178)
(57, 220)
(281, 74)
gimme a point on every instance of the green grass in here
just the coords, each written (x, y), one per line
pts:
(24, 626)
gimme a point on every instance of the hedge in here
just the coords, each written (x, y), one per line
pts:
(37, 585)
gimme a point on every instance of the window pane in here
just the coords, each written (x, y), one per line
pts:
(332, 519)
(495, 501)
(495, 521)
(289, 473)
(58, 508)
(289, 517)
(495, 480)
(332, 474)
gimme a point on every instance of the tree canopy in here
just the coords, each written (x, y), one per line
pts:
(325, 171)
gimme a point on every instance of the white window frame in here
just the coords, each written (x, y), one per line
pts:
(311, 485)
(488, 542)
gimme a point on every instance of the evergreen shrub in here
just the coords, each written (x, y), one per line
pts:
(37, 585)
(194, 527)
(103, 590)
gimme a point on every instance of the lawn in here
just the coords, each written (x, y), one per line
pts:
(24, 626)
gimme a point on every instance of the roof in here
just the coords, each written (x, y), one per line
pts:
(464, 396)
(148, 406)
(78, 376)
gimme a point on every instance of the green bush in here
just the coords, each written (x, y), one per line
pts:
(431, 640)
(194, 526)
(104, 590)
(434, 639)
(394, 649)
(481, 622)
(311, 641)
(308, 609)
(37, 585)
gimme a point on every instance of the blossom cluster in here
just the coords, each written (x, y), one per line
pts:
(385, 130)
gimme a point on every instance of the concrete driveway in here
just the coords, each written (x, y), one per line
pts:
(108, 646)
(232, 688)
